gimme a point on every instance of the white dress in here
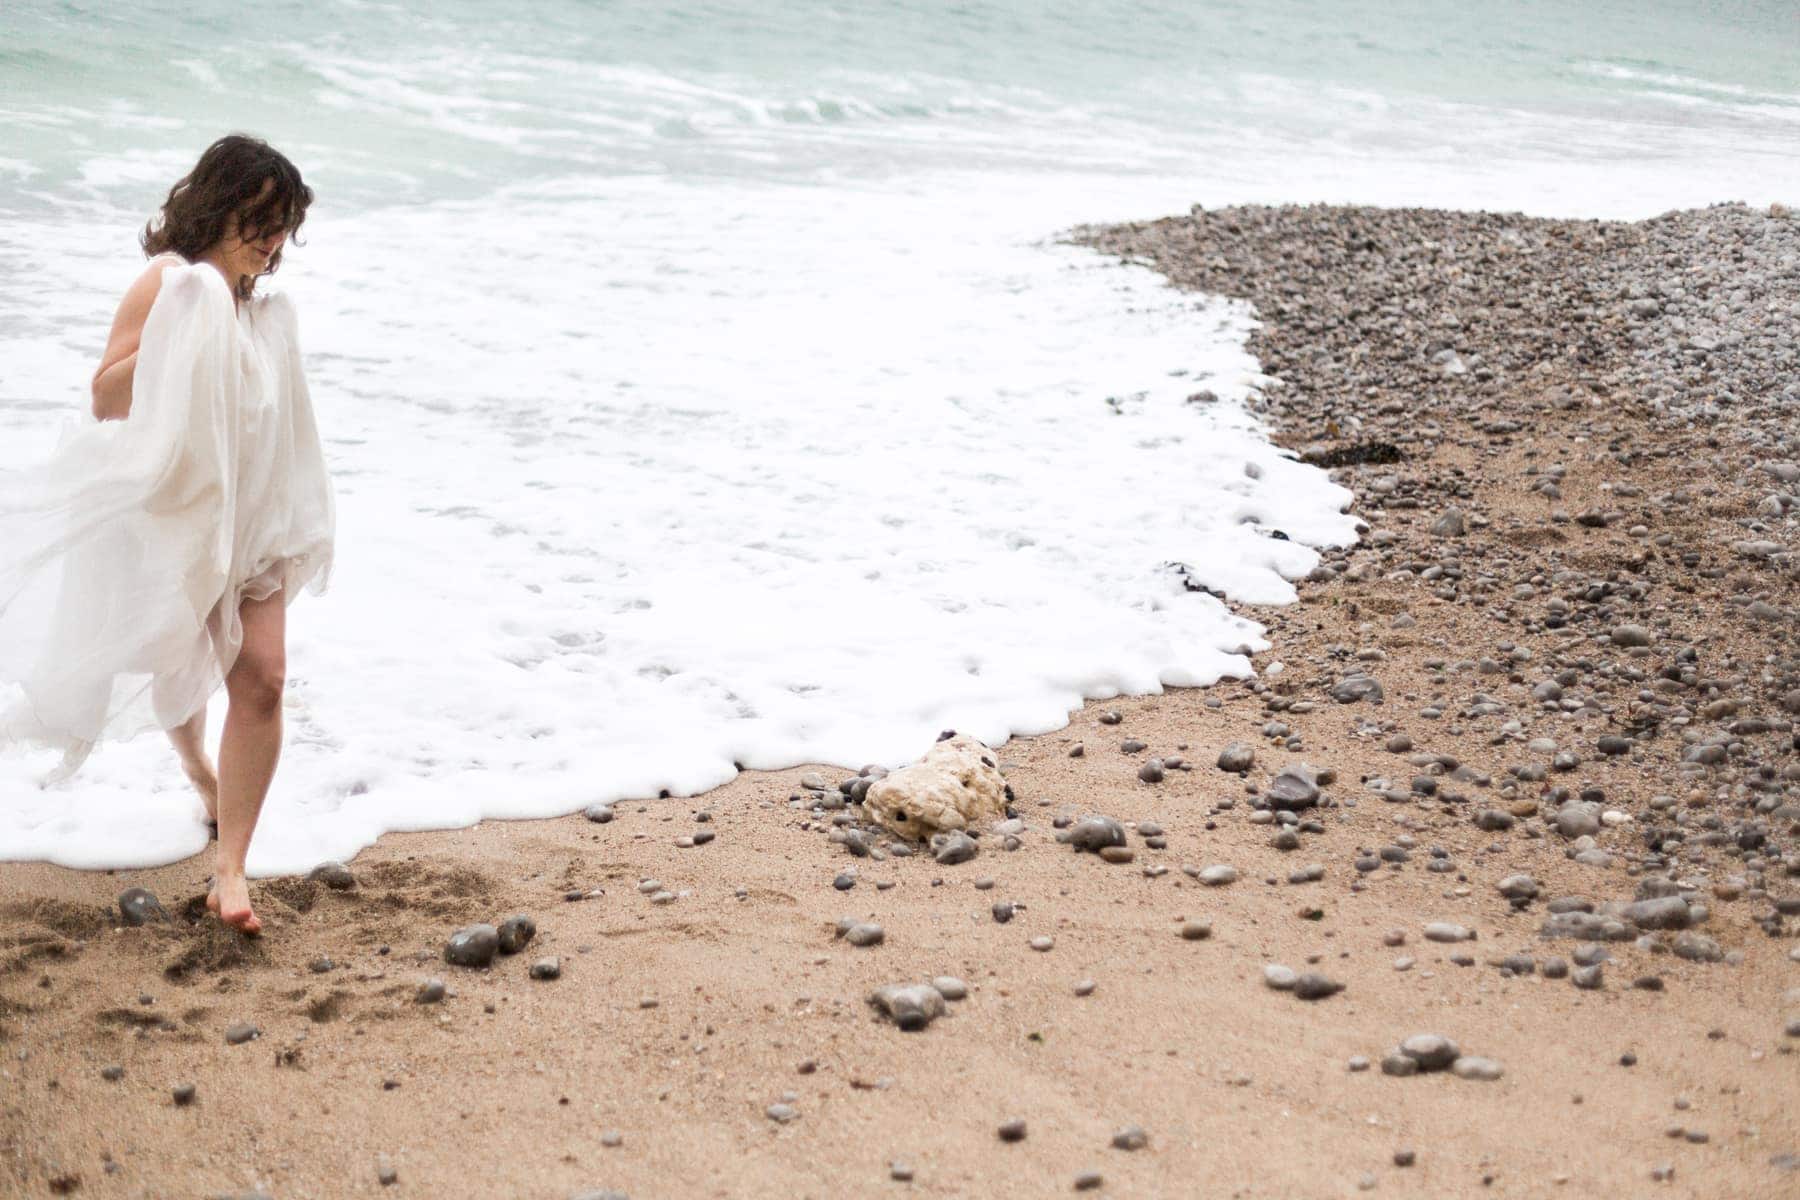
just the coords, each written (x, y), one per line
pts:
(123, 559)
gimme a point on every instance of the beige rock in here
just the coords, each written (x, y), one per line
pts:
(956, 785)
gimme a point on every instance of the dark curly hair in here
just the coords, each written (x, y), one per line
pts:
(230, 175)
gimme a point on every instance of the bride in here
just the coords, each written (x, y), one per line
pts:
(154, 556)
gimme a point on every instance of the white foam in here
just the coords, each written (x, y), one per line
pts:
(639, 479)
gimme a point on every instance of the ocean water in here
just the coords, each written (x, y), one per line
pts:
(707, 385)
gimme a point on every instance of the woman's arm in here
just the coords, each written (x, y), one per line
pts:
(112, 381)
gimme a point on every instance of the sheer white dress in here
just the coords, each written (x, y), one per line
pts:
(124, 558)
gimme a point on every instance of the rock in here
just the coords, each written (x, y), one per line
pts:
(950, 987)
(1518, 887)
(1352, 688)
(1630, 635)
(1578, 820)
(1132, 1137)
(1432, 1051)
(333, 875)
(1292, 791)
(1398, 1064)
(1471, 1067)
(1444, 931)
(240, 1032)
(1117, 854)
(1450, 525)
(1151, 771)
(1663, 912)
(1311, 985)
(781, 1114)
(1196, 931)
(1218, 875)
(432, 991)
(1043, 943)
(953, 847)
(139, 906)
(472, 946)
(547, 968)
(1096, 832)
(1088, 1181)
(182, 1094)
(1236, 758)
(956, 785)
(1587, 978)
(865, 934)
(911, 1006)
(1697, 947)
(599, 814)
(1012, 1130)
(514, 933)
(1493, 820)
(1280, 978)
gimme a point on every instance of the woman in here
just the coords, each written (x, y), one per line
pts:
(153, 558)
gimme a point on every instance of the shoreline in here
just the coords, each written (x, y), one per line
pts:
(1403, 357)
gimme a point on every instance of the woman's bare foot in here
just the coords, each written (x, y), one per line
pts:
(230, 898)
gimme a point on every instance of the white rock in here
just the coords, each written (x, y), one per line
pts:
(956, 785)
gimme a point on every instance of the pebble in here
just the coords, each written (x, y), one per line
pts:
(1012, 1130)
(1236, 758)
(600, 814)
(1432, 1051)
(950, 987)
(1472, 1067)
(1218, 875)
(431, 992)
(1444, 931)
(1196, 931)
(547, 968)
(911, 1006)
(514, 933)
(1279, 977)
(1132, 1137)
(900, 1171)
(1088, 1181)
(952, 848)
(1043, 942)
(865, 934)
(139, 906)
(781, 1114)
(1096, 832)
(182, 1094)
(239, 1032)
(332, 875)
(472, 946)
(1311, 985)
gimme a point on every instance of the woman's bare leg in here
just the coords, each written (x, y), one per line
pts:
(249, 749)
(190, 745)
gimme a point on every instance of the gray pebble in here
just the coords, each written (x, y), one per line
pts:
(472, 946)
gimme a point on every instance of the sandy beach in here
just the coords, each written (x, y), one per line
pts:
(1547, 705)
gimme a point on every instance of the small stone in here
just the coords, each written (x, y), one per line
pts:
(514, 933)
(1132, 1137)
(1587, 978)
(1472, 1067)
(900, 1171)
(139, 906)
(1405, 1157)
(1196, 931)
(112, 1074)
(1236, 758)
(1096, 832)
(1151, 771)
(781, 1114)
(182, 1094)
(599, 814)
(1444, 931)
(472, 946)
(1313, 986)
(1432, 1051)
(1218, 875)
(1043, 942)
(950, 849)
(385, 1174)
(240, 1032)
(1353, 688)
(1003, 911)
(1012, 1130)
(910, 1006)
(1280, 978)
(1292, 791)
(865, 934)
(547, 968)
(430, 992)
(1084, 987)
(1088, 1181)
(333, 875)
(1398, 1064)
(950, 987)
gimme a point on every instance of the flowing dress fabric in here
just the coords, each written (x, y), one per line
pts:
(124, 558)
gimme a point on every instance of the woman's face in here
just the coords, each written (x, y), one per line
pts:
(247, 250)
